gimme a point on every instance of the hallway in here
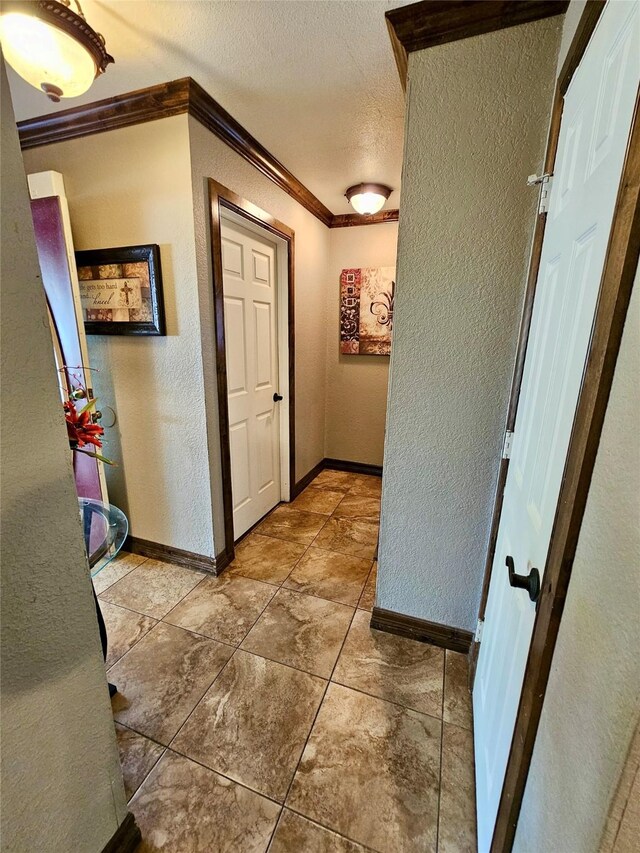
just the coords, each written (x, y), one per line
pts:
(266, 687)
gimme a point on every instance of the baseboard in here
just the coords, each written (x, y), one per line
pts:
(308, 478)
(126, 837)
(335, 465)
(444, 636)
(156, 551)
(353, 467)
(223, 560)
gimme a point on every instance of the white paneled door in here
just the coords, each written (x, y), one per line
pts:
(250, 308)
(596, 122)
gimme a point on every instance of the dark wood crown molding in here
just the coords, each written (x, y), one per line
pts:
(176, 98)
(433, 22)
(346, 220)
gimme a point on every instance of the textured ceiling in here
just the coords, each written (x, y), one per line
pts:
(313, 80)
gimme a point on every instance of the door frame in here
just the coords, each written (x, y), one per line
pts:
(222, 199)
(616, 284)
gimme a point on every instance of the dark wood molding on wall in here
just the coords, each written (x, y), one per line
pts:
(434, 22)
(445, 636)
(126, 838)
(308, 478)
(177, 98)
(347, 220)
(156, 551)
(220, 198)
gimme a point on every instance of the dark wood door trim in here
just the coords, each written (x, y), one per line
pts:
(434, 22)
(219, 198)
(616, 284)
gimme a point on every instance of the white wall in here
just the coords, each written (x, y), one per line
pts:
(592, 703)
(477, 117)
(356, 384)
(61, 781)
(128, 187)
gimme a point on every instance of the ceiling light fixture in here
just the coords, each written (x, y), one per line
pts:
(52, 47)
(368, 198)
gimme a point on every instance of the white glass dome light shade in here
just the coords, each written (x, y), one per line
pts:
(52, 48)
(368, 199)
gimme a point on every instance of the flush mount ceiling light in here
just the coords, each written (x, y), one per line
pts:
(51, 46)
(368, 198)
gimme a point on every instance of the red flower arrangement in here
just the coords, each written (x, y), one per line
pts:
(82, 427)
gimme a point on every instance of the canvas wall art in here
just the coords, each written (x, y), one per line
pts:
(366, 310)
(121, 290)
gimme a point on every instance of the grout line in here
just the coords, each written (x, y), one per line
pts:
(444, 686)
(330, 829)
(113, 583)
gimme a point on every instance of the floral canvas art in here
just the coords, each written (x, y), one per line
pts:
(366, 310)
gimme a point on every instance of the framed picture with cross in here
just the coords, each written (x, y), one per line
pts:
(121, 290)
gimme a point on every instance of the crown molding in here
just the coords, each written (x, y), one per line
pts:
(346, 220)
(176, 98)
(434, 22)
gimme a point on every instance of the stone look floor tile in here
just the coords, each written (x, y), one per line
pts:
(368, 597)
(138, 754)
(358, 506)
(264, 558)
(370, 771)
(457, 828)
(124, 629)
(296, 834)
(341, 481)
(162, 678)
(223, 608)
(185, 808)
(314, 499)
(457, 698)
(292, 525)
(366, 484)
(301, 631)
(357, 537)
(253, 722)
(153, 588)
(326, 574)
(115, 570)
(390, 667)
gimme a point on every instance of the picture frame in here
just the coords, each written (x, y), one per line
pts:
(121, 290)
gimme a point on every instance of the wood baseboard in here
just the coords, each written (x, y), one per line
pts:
(334, 465)
(445, 636)
(353, 467)
(188, 559)
(126, 837)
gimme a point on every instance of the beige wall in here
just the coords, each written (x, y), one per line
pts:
(356, 385)
(128, 187)
(477, 117)
(61, 781)
(592, 703)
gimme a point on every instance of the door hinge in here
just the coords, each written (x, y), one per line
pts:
(478, 635)
(508, 444)
(545, 181)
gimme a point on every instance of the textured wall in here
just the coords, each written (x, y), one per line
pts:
(356, 385)
(476, 126)
(127, 187)
(61, 781)
(592, 703)
(211, 158)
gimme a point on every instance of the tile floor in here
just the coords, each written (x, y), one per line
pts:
(259, 711)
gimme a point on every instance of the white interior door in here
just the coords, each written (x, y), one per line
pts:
(596, 121)
(251, 326)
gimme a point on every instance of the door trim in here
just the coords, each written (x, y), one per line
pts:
(616, 284)
(221, 198)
